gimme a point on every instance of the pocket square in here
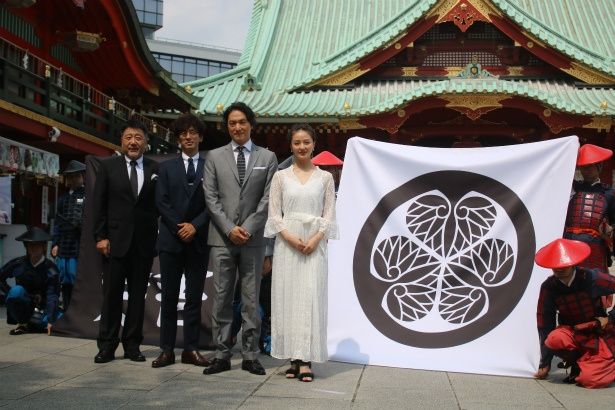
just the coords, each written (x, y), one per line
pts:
(154, 177)
(260, 167)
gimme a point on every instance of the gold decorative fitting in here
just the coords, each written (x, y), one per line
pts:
(350, 124)
(401, 113)
(546, 112)
(409, 71)
(515, 70)
(188, 89)
(530, 44)
(474, 102)
(600, 124)
(342, 77)
(47, 71)
(463, 6)
(604, 105)
(346, 105)
(83, 41)
(219, 108)
(111, 104)
(397, 46)
(588, 75)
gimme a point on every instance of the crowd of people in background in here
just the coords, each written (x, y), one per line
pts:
(263, 228)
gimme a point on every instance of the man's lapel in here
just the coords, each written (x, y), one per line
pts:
(180, 169)
(230, 158)
(199, 176)
(253, 157)
(124, 175)
(147, 177)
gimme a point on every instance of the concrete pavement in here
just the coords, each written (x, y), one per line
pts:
(38, 371)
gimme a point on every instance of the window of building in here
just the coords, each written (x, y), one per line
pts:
(184, 69)
(149, 12)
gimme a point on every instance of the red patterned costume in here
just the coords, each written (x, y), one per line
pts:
(591, 206)
(571, 296)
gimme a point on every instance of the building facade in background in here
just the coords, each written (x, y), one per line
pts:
(71, 74)
(185, 60)
(438, 73)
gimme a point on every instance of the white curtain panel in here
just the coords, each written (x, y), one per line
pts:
(435, 268)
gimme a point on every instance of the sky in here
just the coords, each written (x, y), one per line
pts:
(222, 23)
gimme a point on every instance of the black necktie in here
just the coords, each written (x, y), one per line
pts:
(190, 173)
(134, 181)
(241, 164)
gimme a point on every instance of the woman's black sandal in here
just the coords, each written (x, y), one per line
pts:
(293, 370)
(306, 377)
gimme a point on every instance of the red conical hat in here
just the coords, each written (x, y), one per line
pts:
(592, 154)
(326, 158)
(562, 253)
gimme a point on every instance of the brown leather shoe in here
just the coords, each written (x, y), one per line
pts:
(195, 358)
(165, 359)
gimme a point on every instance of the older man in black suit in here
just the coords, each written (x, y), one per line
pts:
(182, 242)
(125, 231)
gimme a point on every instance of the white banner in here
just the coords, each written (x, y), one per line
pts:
(434, 267)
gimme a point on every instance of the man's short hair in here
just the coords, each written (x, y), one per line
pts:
(186, 121)
(243, 107)
(135, 123)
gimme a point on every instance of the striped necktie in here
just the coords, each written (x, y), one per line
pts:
(241, 164)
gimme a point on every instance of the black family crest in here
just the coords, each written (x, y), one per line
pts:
(443, 259)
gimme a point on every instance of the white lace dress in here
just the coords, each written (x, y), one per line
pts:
(299, 282)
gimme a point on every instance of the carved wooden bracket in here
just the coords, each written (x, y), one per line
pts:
(463, 15)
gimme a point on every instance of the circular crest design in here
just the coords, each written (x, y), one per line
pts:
(443, 259)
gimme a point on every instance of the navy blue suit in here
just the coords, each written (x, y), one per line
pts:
(180, 202)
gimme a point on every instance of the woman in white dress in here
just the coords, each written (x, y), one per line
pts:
(302, 218)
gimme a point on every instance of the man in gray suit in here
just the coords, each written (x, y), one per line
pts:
(237, 180)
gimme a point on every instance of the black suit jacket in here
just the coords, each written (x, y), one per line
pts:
(179, 202)
(118, 215)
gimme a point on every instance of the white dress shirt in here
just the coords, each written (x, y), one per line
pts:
(247, 148)
(195, 160)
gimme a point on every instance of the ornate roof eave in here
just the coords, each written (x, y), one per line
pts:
(281, 120)
(358, 59)
(474, 97)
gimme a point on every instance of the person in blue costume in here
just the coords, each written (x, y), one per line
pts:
(32, 303)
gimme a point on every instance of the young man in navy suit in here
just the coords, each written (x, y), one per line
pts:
(182, 242)
(125, 230)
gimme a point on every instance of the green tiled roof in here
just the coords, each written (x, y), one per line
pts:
(584, 30)
(292, 43)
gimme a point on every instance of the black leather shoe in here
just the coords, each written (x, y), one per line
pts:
(165, 359)
(253, 366)
(195, 358)
(104, 356)
(218, 366)
(134, 355)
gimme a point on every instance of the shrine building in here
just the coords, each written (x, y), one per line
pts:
(437, 73)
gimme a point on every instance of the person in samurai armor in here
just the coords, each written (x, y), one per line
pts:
(585, 335)
(32, 303)
(67, 229)
(591, 210)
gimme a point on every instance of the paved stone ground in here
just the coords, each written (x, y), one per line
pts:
(38, 371)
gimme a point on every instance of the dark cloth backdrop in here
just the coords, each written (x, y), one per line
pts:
(83, 316)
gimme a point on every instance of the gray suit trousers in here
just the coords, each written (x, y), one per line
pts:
(227, 263)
